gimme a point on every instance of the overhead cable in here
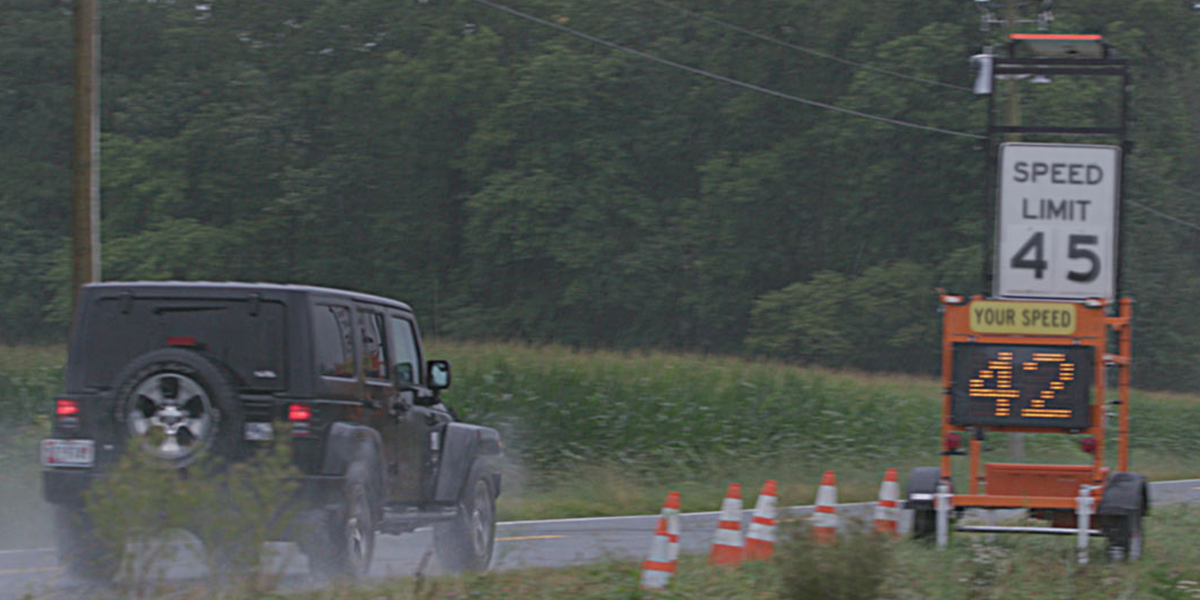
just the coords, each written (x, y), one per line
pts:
(1184, 190)
(767, 38)
(729, 80)
(1163, 214)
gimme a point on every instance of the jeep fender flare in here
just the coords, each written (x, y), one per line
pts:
(348, 444)
(1124, 494)
(468, 451)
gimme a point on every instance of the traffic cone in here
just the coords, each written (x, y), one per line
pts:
(887, 511)
(727, 543)
(825, 519)
(670, 512)
(657, 568)
(760, 538)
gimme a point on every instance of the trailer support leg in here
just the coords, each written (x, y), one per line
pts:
(942, 505)
(1083, 514)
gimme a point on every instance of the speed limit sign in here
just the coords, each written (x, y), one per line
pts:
(1057, 221)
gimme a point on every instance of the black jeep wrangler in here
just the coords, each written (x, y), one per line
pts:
(187, 369)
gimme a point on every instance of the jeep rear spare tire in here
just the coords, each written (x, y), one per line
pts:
(176, 404)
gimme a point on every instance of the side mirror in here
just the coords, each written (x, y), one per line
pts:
(439, 374)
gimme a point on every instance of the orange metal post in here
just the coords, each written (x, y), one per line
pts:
(976, 450)
(1098, 407)
(1125, 347)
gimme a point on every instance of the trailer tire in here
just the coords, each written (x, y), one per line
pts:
(924, 524)
(1127, 538)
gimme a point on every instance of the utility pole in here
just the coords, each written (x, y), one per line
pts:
(1016, 441)
(1014, 101)
(85, 149)
(1010, 9)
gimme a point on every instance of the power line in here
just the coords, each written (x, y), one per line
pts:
(1164, 215)
(729, 80)
(767, 38)
(1184, 190)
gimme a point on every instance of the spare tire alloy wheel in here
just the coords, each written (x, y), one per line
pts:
(178, 409)
(177, 405)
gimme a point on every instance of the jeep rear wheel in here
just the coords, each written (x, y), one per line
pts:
(176, 404)
(466, 542)
(343, 543)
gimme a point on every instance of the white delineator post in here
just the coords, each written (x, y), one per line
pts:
(941, 503)
(1083, 515)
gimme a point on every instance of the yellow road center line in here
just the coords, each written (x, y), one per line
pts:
(520, 538)
(33, 570)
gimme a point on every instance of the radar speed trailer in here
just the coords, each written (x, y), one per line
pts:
(1036, 367)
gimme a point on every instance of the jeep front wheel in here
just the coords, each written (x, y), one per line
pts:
(466, 542)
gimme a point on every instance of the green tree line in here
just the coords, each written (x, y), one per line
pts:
(512, 181)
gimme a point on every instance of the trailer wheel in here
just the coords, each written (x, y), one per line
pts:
(1125, 541)
(924, 523)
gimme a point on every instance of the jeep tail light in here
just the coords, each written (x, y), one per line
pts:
(66, 407)
(300, 416)
(182, 341)
(66, 412)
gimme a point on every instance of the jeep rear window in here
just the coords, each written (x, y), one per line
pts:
(246, 338)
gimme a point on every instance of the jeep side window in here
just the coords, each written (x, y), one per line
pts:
(404, 351)
(374, 358)
(333, 341)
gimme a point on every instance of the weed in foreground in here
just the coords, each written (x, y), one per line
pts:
(855, 566)
(141, 506)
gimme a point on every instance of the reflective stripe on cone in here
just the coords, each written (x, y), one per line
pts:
(887, 510)
(657, 568)
(825, 521)
(760, 538)
(727, 542)
(670, 512)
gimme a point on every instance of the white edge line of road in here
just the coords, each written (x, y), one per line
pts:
(711, 513)
(633, 517)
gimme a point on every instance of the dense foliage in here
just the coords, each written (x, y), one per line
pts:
(512, 181)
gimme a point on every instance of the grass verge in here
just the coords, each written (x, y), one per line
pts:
(1015, 567)
(592, 433)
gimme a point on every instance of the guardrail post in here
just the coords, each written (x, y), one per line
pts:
(941, 503)
(1083, 514)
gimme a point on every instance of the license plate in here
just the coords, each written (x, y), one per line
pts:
(68, 453)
